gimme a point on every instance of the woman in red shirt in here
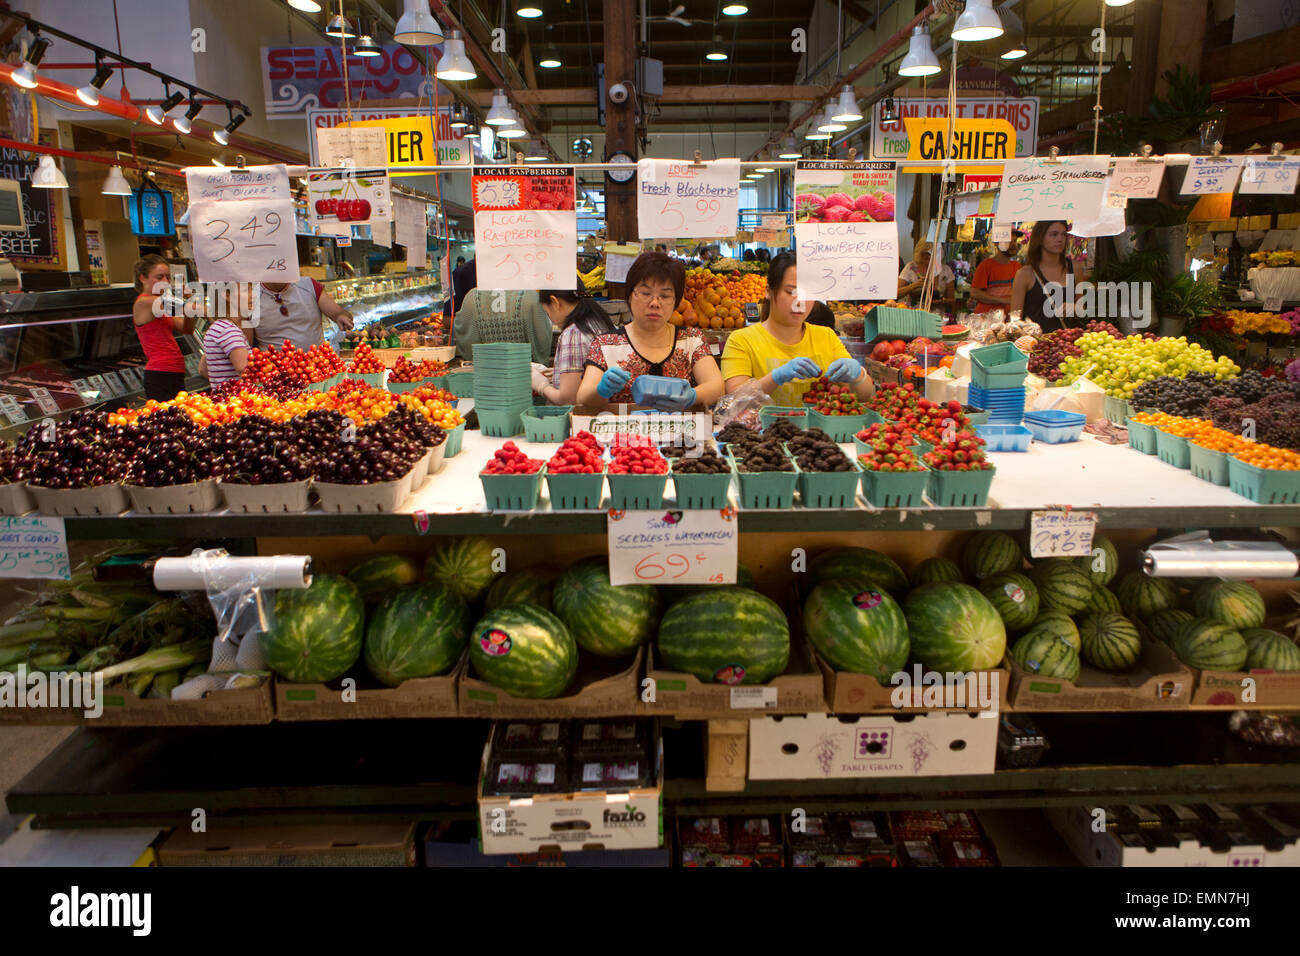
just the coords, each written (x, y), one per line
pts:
(164, 370)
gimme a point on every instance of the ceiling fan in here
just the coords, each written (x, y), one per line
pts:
(675, 16)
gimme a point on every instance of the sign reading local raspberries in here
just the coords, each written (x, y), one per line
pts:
(525, 227)
(844, 227)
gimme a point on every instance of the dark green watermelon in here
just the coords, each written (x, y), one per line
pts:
(417, 631)
(857, 629)
(729, 635)
(524, 650)
(672, 593)
(953, 628)
(466, 565)
(934, 570)
(530, 586)
(856, 563)
(318, 631)
(379, 576)
(609, 620)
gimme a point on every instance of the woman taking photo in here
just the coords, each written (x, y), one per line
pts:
(579, 320)
(650, 344)
(164, 369)
(783, 353)
(1045, 261)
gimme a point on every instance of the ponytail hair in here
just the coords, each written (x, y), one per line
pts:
(586, 314)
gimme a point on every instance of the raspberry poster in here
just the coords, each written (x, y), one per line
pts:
(525, 227)
(844, 230)
(340, 199)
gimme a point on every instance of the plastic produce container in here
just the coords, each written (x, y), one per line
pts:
(896, 323)
(459, 383)
(1208, 464)
(960, 489)
(895, 489)
(775, 413)
(843, 428)
(1115, 410)
(767, 489)
(1005, 437)
(647, 388)
(1054, 426)
(1173, 450)
(998, 366)
(829, 489)
(1265, 486)
(500, 424)
(547, 423)
(1142, 437)
(637, 492)
(512, 492)
(701, 492)
(575, 492)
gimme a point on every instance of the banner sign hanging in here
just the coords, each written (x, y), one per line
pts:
(525, 227)
(845, 231)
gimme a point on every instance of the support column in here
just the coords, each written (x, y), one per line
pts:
(620, 51)
(1144, 64)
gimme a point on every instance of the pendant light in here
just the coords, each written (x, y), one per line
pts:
(366, 45)
(550, 58)
(458, 120)
(764, 158)
(529, 9)
(89, 94)
(500, 114)
(1118, 3)
(25, 75)
(47, 175)
(846, 110)
(735, 10)
(185, 123)
(790, 149)
(815, 133)
(455, 65)
(306, 6)
(222, 136)
(115, 183)
(828, 123)
(158, 112)
(417, 27)
(716, 50)
(536, 152)
(340, 28)
(920, 59)
(515, 130)
(889, 110)
(979, 21)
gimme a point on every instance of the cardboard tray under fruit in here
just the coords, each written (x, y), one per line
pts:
(1159, 681)
(194, 498)
(602, 688)
(418, 697)
(1231, 689)
(677, 694)
(850, 693)
(104, 500)
(15, 499)
(121, 708)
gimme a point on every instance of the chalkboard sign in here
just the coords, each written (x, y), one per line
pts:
(40, 241)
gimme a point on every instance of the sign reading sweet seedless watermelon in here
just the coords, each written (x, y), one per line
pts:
(672, 547)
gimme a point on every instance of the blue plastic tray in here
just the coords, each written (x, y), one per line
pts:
(646, 388)
(1055, 433)
(1005, 437)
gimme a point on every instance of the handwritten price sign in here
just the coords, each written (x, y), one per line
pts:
(33, 547)
(1211, 174)
(1070, 188)
(242, 224)
(1137, 179)
(672, 547)
(1269, 175)
(1061, 534)
(525, 227)
(688, 200)
(845, 230)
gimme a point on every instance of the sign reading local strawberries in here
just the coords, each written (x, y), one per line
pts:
(845, 230)
(349, 197)
(525, 227)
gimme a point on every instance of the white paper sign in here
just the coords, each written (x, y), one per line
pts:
(1000, 232)
(753, 698)
(45, 401)
(410, 230)
(242, 224)
(351, 197)
(775, 222)
(1069, 188)
(1136, 178)
(33, 546)
(845, 230)
(672, 547)
(688, 200)
(1269, 175)
(12, 410)
(365, 147)
(1065, 534)
(616, 267)
(525, 226)
(1211, 174)
(1273, 303)
(1116, 201)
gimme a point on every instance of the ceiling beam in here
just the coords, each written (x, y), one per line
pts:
(586, 96)
(1254, 56)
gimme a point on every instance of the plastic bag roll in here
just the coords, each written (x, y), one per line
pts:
(272, 572)
(1227, 560)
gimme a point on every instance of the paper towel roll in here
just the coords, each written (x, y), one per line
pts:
(273, 572)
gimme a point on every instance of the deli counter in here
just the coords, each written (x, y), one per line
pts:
(393, 298)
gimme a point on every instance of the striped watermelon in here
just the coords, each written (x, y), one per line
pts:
(1269, 651)
(1101, 598)
(856, 629)
(1056, 624)
(1061, 586)
(376, 577)
(1103, 564)
(1142, 595)
(1234, 603)
(1211, 646)
(1013, 596)
(606, 620)
(673, 593)
(530, 586)
(1165, 625)
(417, 631)
(730, 635)
(859, 564)
(524, 650)
(466, 565)
(935, 570)
(954, 628)
(1046, 655)
(1110, 641)
(318, 630)
(989, 552)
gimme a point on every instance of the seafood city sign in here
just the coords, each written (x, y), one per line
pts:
(298, 78)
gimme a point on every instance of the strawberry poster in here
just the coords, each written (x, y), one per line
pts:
(844, 229)
(525, 227)
(343, 198)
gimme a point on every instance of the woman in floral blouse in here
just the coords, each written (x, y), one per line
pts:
(650, 344)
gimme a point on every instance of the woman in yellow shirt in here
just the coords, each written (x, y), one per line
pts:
(782, 352)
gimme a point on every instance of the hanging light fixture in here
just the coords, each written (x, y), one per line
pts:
(222, 136)
(458, 120)
(920, 59)
(340, 27)
(735, 10)
(550, 58)
(500, 114)
(158, 112)
(417, 27)
(536, 152)
(889, 110)
(979, 21)
(185, 123)
(455, 65)
(306, 6)
(828, 124)
(846, 110)
(25, 75)
(515, 130)
(89, 94)
(716, 51)
(815, 133)
(529, 9)
(764, 158)
(366, 45)
(790, 149)
(1118, 3)
(115, 183)
(47, 175)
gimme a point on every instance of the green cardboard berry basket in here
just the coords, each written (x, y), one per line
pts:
(1142, 437)
(512, 492)
(1265, 486)
(459, 383)
(1208, 464)
(701, 492)
(843, 428)
(500, 424)
(960, 489)
(998, 366)
(1115, 410)
(1173, 450)
(766, 489)
(397, 388)
(895, 489)
(373, 379)
(896, 323)
(774, 413)
(637, 492)
(575, 492)
(829, 489)
(455, 440)
(547, 423)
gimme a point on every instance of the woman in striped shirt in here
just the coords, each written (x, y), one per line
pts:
(225, 352)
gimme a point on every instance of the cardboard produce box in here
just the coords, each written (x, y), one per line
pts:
(457, 846)
(120, 708)
(595, 693)
(419, 697)
(1246, 689)
(1158, 682)
(350, 844)
(797, 691)
(849, 693)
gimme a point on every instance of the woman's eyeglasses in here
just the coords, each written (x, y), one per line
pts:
(646, 295)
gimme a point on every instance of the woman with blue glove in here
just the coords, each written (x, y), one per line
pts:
(651, 345)
(783, 353)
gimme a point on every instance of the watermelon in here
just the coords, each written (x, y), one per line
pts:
(376, 577)
(1110, 641)
(1013, 596)
(1165, 625)
(1103, 564)
(1056, 624)
(673, 593)
(417, 631)
(856, 629)
(1211, 646)
(1234, 603)
(318, 630)
(953, 628)
(530, 586)
(606, 620)
(1101, 598)
(989, 552)
(524, 650)
(1061, 586)
(858, 564)
(466, 565)
(1142, 595)
(728, 635)
(934, 570)
(1046, 655)
(1269, 651)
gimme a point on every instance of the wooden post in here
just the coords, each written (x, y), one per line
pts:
(1182, 38)
(1146, 57)
(728, 755)
(620, 123)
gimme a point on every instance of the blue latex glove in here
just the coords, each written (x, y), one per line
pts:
(801, 367)
(678, 404)
(844, 370)
(612, 382)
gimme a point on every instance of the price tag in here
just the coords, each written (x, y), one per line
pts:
(688, 200)
(672, 547)
(1211, 174)
(1069, 188)
(100, 388)
(45, 401)
(83, 388)
(753, 698)
(1061, 534)
(242, 224)
(1116, 201)
(12, 410)
(617, 267)
(1269, 175)
(525, 226)
(1273, 303)
(845, 230)
(775, 222)
(1136, 178)
(1000, 232)
(115, 382)
(34, 546)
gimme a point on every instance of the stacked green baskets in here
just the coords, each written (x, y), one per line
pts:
(502, 387)
(893, 322)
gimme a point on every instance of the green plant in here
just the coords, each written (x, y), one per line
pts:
(1178, 115)
(1145, 265)
(1184, 297)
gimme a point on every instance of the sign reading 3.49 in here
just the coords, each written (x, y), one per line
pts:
(242, 224)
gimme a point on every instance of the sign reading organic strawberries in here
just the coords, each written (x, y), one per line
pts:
(525, 227)
(844, 229)
(349, 197)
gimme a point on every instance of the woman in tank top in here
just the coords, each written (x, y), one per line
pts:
(157, 325)
(1045, 261)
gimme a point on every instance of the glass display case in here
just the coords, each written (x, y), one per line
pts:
(392, 298)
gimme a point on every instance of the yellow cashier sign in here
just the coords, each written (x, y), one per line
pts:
(927, 139)
(412, 142)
